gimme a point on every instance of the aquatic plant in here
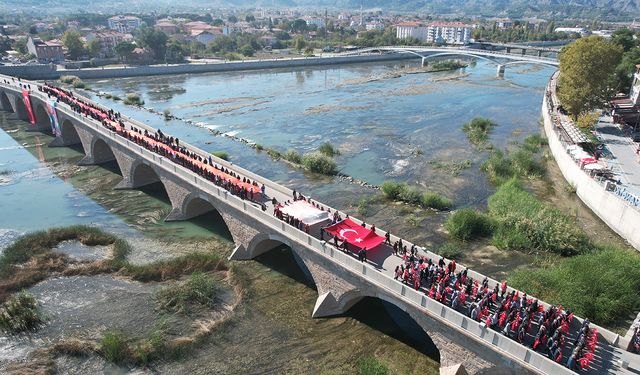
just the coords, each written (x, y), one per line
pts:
(319, 163)
(114, 347)
(468, 224)
(371, 366)
(400, 191)
(133, 99)
(68, 79)
(478, 130)
(292, 156)
(327, 149)
(199, 289)
(20, 313)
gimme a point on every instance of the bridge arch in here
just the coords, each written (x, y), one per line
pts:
(100, 151)
(5, 103)
(42, 117)
(19, 107)
(69, 132)
(143, 174)
(461, 53)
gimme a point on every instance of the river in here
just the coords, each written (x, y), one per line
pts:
(386, 126)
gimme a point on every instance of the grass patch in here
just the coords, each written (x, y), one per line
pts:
(114, 347)
(402, 192)
(293, 157)
(478, 129)
(68, 79)
(468, 224)
(450, 250)
(527, 224)
(319, 163)
(327, 149)
(413, 220)
(221, 154)
(79, 84)
(20, 313)
(133, 99)
(521, 162)
(273, 153)
(173, 268)
(371, 366)
(602, 285)
(439, 66)
(199, 289)
(454, 167)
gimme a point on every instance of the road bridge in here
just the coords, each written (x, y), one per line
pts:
(341, 280)
(500, 59)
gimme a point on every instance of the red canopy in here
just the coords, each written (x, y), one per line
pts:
(355, 234)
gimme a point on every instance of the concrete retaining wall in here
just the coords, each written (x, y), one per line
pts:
(619, 215)
(44, 72)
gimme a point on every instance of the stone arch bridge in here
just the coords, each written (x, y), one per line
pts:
(340, 279)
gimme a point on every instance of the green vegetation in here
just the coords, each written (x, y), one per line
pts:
(402, 192)
(68, 79)
(79, 84)
(602, 285)
(167, 114)
(587, 68)
(133, 99)
(521, 32)
(318, 163)
(20, 313)
(449, 250)
(293, 157)
(413, 220)
(115, 348)
(439, 66)
(73, 41)
(221, 154)
(454, 167)
(199, 289)
(527, 224)
(502, 167)
(468, 224)
(371, 366)
(327, 149)
(478, 130)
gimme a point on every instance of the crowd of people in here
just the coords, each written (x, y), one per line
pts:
(516, 316)
(163, 145)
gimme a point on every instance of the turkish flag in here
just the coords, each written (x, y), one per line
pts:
(354, 234)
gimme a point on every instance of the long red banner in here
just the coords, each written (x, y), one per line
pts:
(27, 103)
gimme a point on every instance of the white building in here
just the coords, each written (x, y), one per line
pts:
(124, 24)
(570, 30)
(319, 22)
(374, 26)
(634, 95)
(437, 32)
(406, 30)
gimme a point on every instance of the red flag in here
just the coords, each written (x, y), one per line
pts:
(355, 234)
(27, 103)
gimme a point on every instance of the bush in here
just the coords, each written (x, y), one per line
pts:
(327, 149)
(293, 157)
(449, 250)
(435, 201)
(200, 289)
(410, 195)
(392, 189)
(519, 163)
(525, 223)
(602, 286)
(534, 142)
(478, 130)
(371, 366)
(133, 99)
(468, 224)
(78, 84)
(273, 153)
(319, 163)
(221, 154)
(20, 313)
(115, 347)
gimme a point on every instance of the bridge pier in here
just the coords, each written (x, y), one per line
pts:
(523, 52)
(539, 53)
(424, 62)
(500, 71)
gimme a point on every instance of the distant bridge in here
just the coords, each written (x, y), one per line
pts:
(493, 57)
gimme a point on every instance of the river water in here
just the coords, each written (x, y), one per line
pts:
(386, 126)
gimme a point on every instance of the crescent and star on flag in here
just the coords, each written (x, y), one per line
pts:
(343, 231)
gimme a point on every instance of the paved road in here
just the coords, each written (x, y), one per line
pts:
(623, 160)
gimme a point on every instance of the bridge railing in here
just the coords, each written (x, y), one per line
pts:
(404, 293)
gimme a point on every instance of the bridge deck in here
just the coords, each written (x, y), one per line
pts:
(382, 262)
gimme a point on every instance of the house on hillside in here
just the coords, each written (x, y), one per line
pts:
(45, 52)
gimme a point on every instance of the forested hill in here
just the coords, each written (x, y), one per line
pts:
(591, 9)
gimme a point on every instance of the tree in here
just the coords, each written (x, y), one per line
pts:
(232, 19)
(249, 18)
(124, 49)
(155, 40)
(75, 47)
(247, 50)
(587, 74)
(94, 47)
(623, 38)
(175, 52)
(20, 45)
(299, 25)
(217, 22)
(299, 43)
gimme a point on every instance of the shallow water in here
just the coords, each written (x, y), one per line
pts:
(377, 123)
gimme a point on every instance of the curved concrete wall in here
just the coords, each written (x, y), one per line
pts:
(619, 215)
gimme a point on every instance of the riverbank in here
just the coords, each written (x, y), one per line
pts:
(48, 72)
